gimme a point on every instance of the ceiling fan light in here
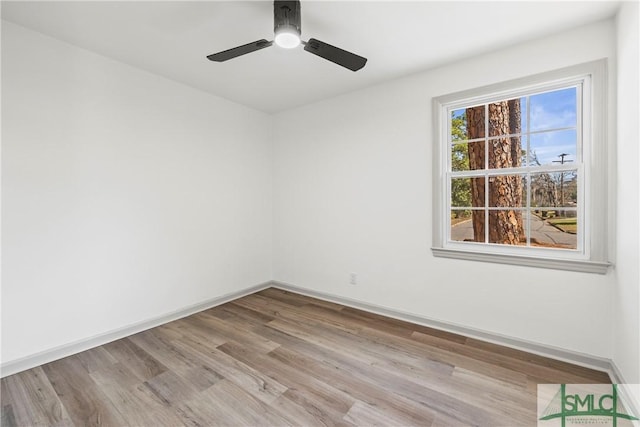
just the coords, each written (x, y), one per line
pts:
(287, 38)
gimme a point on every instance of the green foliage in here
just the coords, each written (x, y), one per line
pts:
(568, 225)
(460, 215)
(461, 192)
(460, 188)
(459, 157)
(459, 127)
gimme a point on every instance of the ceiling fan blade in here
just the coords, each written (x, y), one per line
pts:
(225, 55)
(336, 55)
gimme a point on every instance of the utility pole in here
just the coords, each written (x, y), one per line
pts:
(562, 161)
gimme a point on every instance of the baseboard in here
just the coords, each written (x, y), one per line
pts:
(576, 358)
(615, 374)
(631, 403)
(46, 356)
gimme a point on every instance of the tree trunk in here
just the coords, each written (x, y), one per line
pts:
(515, 121)
(475, 129)
(505, 191)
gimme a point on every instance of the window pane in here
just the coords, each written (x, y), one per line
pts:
(475, 122)
(467, 192)
(551, 148)
(499, 118)
(461, 192)
(553, 110)
(476, 155)
(507, 227)
(458, 125)
(467, 225)
(467, 156)
(507, 191)
(554, 189)
(548, 229)
(461, 225)
(506, 152)
(505, 117)
(459, 157)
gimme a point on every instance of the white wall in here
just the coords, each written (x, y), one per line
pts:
(352, 179)
(125, 196)
(626, 327)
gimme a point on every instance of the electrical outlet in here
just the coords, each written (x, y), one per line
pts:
(353, 278)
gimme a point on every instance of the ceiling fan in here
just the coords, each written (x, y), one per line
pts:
(286, 23)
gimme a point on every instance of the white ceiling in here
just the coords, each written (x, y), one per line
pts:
(172, 39)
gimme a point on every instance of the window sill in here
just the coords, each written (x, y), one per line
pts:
(596, 267)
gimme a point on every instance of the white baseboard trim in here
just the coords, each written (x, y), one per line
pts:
(630, 402)
(615, 374)
(46, 356)
(576, 358)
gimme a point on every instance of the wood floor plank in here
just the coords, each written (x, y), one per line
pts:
(232, 331)
(250, 316)
(192, 327)
(248, 410)
(228, 405)
(96, 358)
(478, 389)
(405, 387)
(396, 327)
(278, 358)
(284, 296)
(413, 413)
(319, 398)
(352, 344)
(362, 414)
(46, 409)
(201, 377)
(305, 413)
(284, 309)
(85, 403)
(139, 409)
(141, 363)
(204, 411)
(162, 350)
(116, 374)
(243, 318)
(6, 416)
(589, 375)
(437, 380)
(384, 348)
(393, 343)
(171, 388)
(305, 314)
(255, 382)
(549, 374)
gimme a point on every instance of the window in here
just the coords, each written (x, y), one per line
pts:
(517, 168)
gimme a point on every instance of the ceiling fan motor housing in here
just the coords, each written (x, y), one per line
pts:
(286, 17)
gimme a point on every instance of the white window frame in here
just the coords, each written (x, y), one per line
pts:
(593, 199)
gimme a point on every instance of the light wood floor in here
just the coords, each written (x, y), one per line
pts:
(276, 358)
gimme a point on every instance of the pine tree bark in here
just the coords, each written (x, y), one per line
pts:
(505, 191)
(475, 129)
(515, 120)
